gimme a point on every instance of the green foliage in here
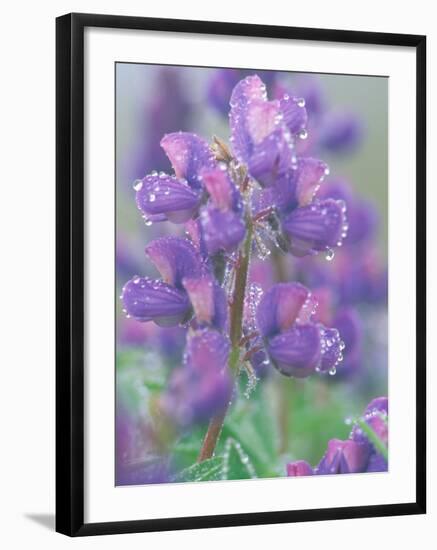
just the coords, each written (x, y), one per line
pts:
(208, 470)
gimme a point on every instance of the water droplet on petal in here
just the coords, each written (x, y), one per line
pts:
(329, 255)
(138, 184)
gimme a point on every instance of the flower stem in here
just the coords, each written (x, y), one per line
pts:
(236, 331)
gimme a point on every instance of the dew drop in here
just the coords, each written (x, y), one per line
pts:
(152, 197)
(303, 134)
(137, 185)
(332, 371)
(329, 255)
(301, 102)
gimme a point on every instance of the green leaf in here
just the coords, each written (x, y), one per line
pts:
(208, 470)
(236, 463)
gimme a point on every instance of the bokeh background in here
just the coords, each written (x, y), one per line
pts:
(348, 130)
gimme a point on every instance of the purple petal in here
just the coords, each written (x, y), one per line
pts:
(280, 307)
(188, 154)
(297, 351)
(148, 300)
(294, 113)
(281, 195)
(344, 457)
(316, 227)
(167, 196)
(250, 89)
(299, 468)
(379, 404)
(175, 258)
(203, 386)
(311, 173)
(260, 138)
(377, 463)
(221, 189)
(222, 230)
(332, 349)
(271, 158)
(208, 300)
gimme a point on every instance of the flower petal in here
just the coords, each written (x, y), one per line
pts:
(332, 349)
(272, 157)
(222, 190)
(222, 230)
(280, 307)
(379, 404)
(311, 173)
(344, 457)
(296, 352)
(188, 154)
(148, 300)
(294, 113)
(299, 468)
(168, 196)
(208, 300)
(203, 386)
(316, 227)
(174, 258)
(250, 89)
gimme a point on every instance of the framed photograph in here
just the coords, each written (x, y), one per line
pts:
(240, 274)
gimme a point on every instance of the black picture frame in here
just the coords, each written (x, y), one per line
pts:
(70, 272)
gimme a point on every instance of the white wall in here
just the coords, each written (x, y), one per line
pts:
(27, 274)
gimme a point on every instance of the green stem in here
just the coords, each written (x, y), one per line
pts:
(236, 331)
(379, 445)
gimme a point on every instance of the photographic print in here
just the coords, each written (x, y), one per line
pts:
(251, 274)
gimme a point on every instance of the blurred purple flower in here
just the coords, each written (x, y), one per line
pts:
(299, 468)
(344, 457)
(202, 386)
(341, 132)
(356, 454)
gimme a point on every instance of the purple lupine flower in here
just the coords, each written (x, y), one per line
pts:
(175, 197)
(296, 345)
(261, 136)
(360, 277)
(344, 457)
(164, 301)
(341, 132)
(203, 385)
(299, 468)
(309, 225)
(221, 221)
(316, 227)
